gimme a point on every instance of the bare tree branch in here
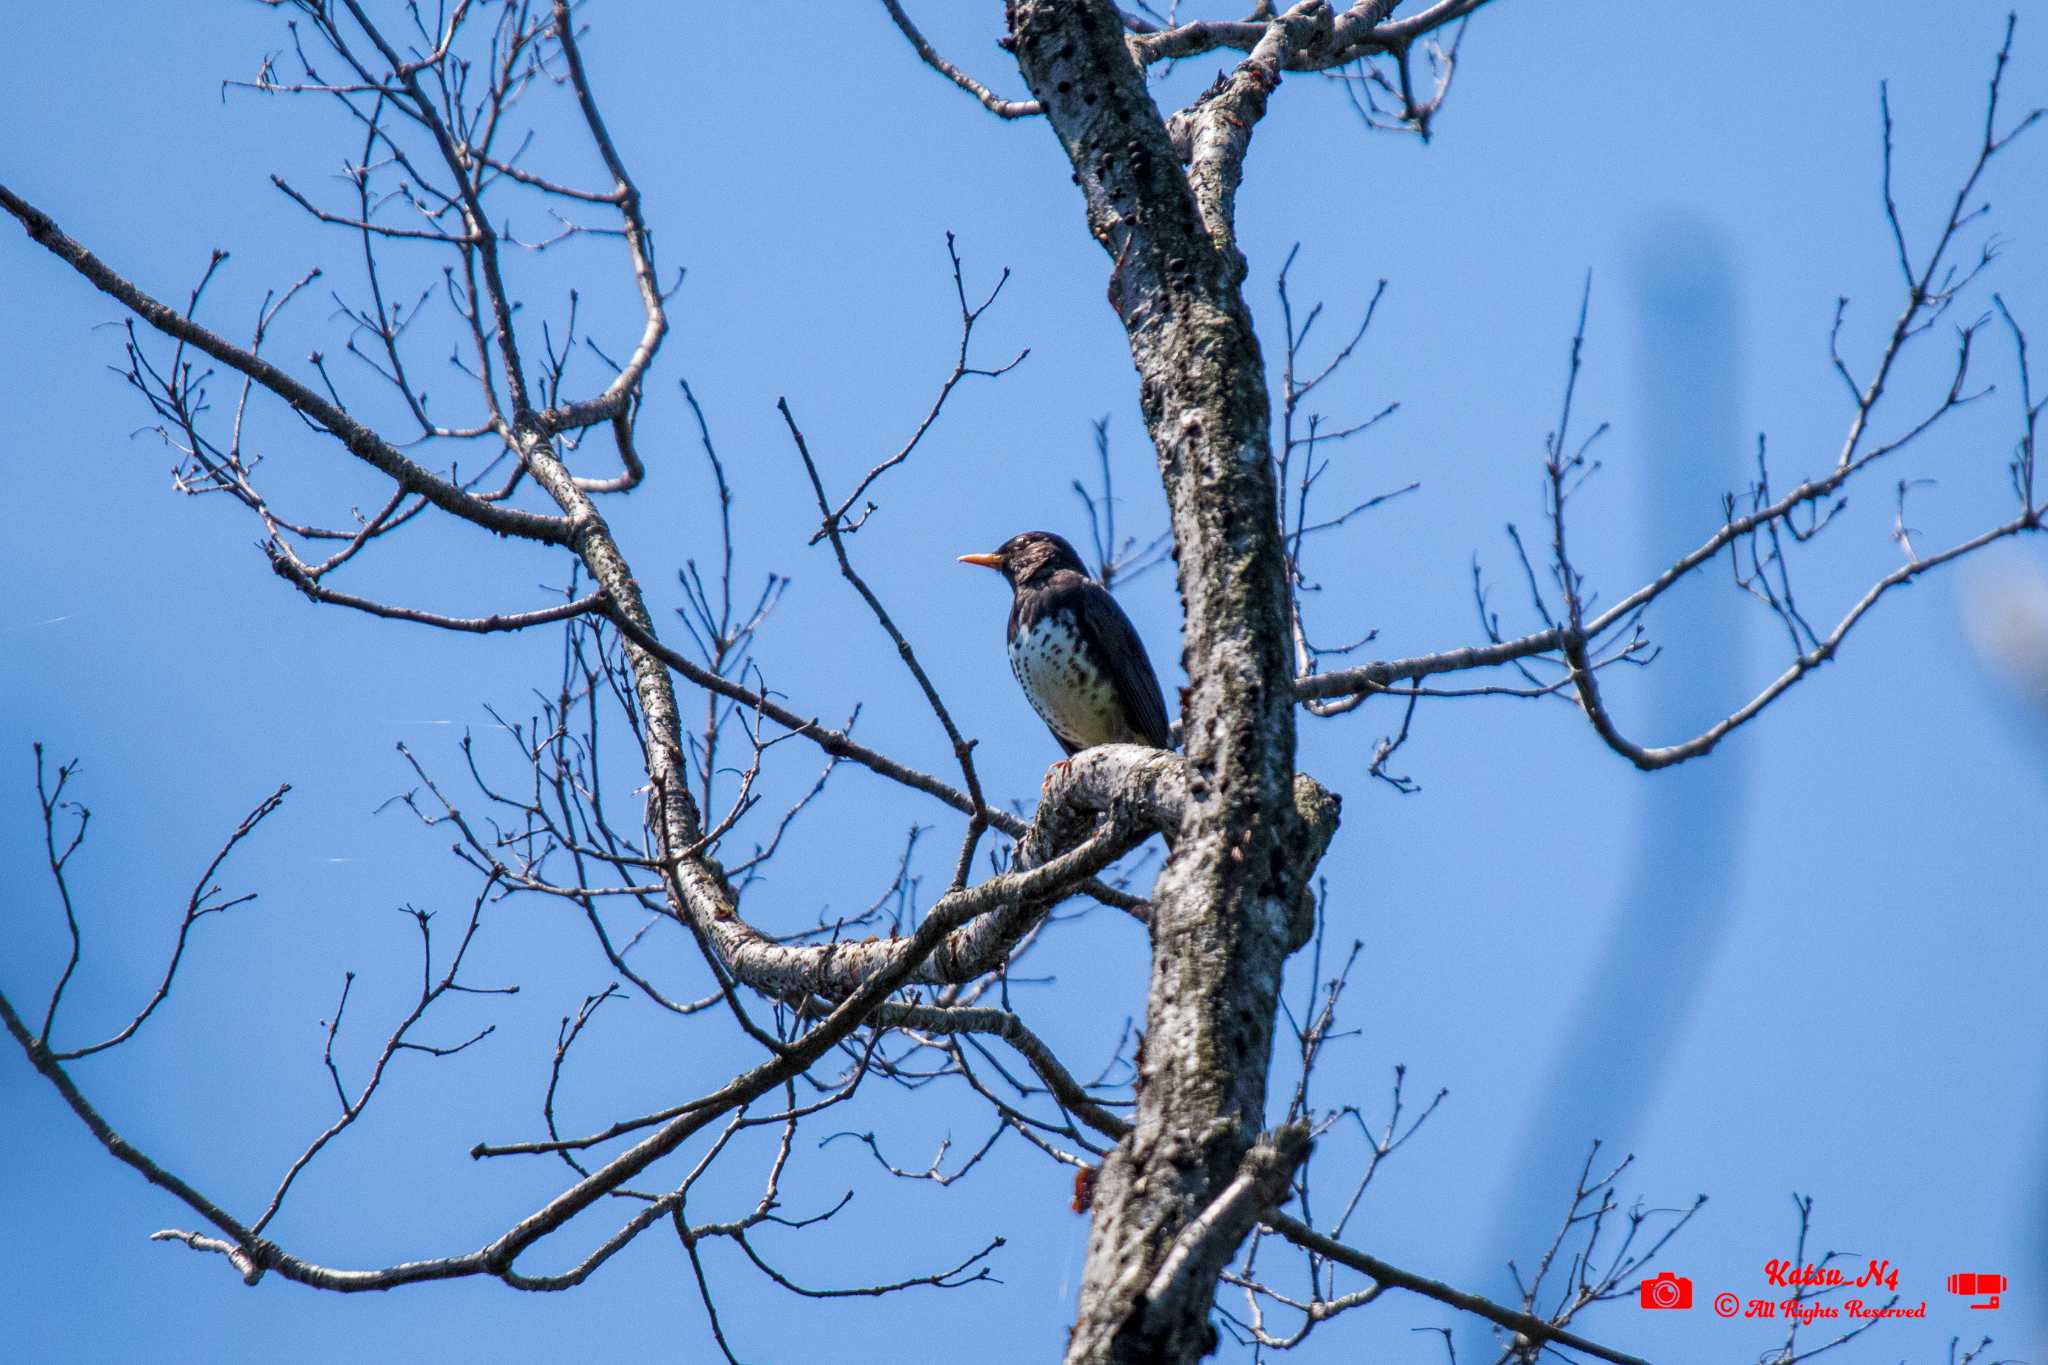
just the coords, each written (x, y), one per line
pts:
(1001, 108)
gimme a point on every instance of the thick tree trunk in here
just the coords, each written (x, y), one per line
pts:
(1178, 1195)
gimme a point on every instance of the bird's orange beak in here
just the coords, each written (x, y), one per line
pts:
(986, 561)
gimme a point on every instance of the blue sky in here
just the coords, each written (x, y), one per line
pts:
(1808, 964)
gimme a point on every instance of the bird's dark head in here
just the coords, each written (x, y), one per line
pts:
(1030, 558)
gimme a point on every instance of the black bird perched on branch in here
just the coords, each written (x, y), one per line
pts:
(1075, 653)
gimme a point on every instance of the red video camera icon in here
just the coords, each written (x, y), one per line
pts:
(1970, 1284)
(1666, 1291)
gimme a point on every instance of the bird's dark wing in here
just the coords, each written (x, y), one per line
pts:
(1116, 643)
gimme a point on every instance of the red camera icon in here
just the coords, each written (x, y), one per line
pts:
(1666, 1291)
(1970, 1284)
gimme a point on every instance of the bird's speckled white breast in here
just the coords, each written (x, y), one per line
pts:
(1078, 702)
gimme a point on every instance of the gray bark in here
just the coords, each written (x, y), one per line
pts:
(1170, 1203)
